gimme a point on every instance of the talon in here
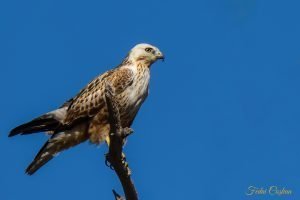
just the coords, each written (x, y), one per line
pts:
(127, 131)
(123, 157)
(125, 163)
(128, 171)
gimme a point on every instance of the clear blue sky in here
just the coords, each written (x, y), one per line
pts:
(223, 111)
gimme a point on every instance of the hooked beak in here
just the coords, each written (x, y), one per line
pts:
(160, 56)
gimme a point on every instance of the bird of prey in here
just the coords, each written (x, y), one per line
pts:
(85, 116)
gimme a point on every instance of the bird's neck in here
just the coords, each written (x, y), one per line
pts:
(142, 64)
(139, 63)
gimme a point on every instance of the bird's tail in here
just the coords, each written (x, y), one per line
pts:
(47, 122)
(57, 143)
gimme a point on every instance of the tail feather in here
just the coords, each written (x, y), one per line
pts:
(41, 158)
(57, 143)
(46, 122)
(40, 124)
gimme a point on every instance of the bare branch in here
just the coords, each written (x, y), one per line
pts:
(115, 156)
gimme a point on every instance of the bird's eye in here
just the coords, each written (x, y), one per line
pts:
(148, 49)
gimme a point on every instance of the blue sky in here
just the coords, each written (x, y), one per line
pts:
(223, 111)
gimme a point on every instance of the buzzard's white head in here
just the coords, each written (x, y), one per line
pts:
(145, 53)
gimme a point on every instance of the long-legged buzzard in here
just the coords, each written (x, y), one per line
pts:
(86, 116)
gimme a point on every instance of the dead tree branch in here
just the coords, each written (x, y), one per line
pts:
(115, 156)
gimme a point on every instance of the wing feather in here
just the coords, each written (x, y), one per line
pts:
(90, 100)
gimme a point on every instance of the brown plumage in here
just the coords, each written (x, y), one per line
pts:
(85, 116)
